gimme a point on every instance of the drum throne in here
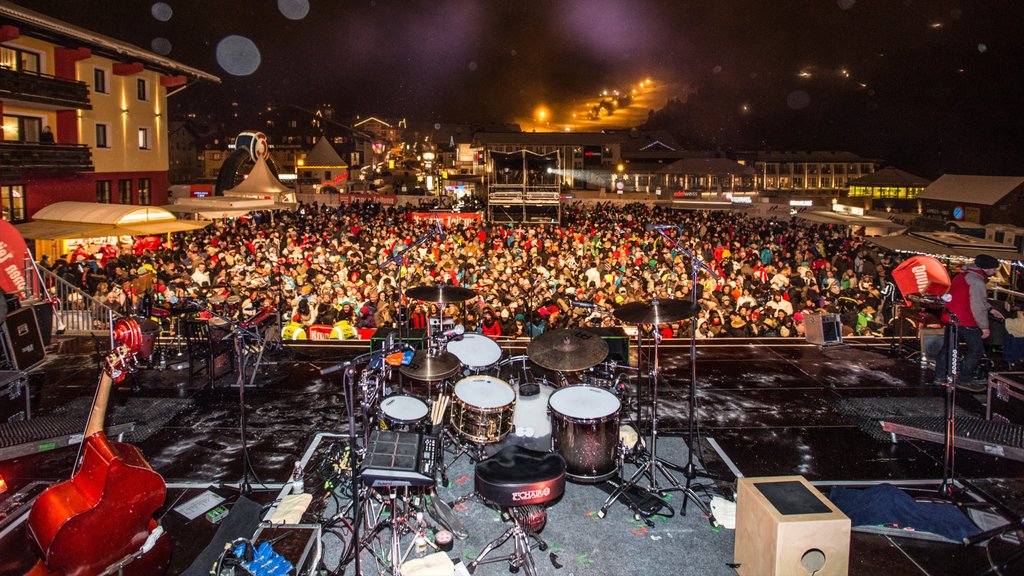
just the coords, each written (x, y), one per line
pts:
(520, 483)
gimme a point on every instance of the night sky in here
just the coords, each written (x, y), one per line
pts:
(931, 86)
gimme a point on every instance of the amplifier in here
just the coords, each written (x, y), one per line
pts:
(24, 341)
(15, 403)
(618, 344)
(823, 329)
(415, 337)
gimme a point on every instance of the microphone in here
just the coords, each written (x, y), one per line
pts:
(586, 305)
(457, 330)
(945, 298)
(653, 227)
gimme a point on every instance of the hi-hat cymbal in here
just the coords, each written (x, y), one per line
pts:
(656, 312)
(431, 368)
(440, 293)
(567, 350)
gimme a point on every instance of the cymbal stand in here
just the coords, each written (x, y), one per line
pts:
(948, 487)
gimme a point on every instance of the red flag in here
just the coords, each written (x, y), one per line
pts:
(13, 252)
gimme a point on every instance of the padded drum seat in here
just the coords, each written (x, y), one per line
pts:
(517, 476)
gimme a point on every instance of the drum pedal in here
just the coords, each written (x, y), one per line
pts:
(641, 501)
(443, 514)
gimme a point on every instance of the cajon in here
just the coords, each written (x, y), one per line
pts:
(785, 527)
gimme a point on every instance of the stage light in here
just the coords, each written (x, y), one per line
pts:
(3, 485)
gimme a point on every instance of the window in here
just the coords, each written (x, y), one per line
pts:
(124, 191)
(99, 81)
(143, 89)
(145, 192)
(103, 191)
(22, 128)
(216, 156)
(13, 200)
(101, 136)
(19, 60)
(143, 138)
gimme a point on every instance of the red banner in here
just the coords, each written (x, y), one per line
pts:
(13, 252)
(921, 275)
(446, 218)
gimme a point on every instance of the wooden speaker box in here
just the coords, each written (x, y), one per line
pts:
(785, 527)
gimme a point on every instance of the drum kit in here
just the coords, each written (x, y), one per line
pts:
(561, 396)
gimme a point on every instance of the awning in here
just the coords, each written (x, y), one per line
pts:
(916, 245)
(822, 217)
(51, 230)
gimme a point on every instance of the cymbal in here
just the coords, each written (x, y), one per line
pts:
(567, 350)
(657, 312)
(430, 368)
(440, 293)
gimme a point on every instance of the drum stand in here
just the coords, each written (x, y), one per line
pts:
(461, 447)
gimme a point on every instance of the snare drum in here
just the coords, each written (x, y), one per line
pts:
(482, 409)
(403, 413)
(476, 351)
(585, 431)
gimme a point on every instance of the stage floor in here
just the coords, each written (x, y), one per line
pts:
(766, 408)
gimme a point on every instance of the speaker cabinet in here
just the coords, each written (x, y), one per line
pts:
(24, 341)
(823, 329)
(785, 527)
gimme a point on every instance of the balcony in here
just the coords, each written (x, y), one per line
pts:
(21, 158)
(42, 89)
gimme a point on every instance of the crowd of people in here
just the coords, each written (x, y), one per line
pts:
(329, 265)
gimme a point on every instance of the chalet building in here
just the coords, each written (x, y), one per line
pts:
(84, 115)
(887, 189)
(979, 199)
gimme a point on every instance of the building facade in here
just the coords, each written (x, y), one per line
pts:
(84, 115)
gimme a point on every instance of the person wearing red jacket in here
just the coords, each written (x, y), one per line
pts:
(969, 305)
(490, 326)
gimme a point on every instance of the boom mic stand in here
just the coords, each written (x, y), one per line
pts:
(690, 471)
(947, 488)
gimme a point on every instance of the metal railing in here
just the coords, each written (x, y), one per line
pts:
(78, 311)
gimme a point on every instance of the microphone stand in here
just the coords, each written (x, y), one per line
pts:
(690, 471)
(947, 488)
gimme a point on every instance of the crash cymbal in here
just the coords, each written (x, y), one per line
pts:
(431, 368)
(440, 293)
(656, 312)
(567, 350)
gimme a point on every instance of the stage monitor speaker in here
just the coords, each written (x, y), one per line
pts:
(415, 337)
(618, 344)
(24, 341)
(823, 329)
(785, 527)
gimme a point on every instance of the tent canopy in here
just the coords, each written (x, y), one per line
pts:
(945, 245)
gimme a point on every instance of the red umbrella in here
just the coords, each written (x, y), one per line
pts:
(921, 275)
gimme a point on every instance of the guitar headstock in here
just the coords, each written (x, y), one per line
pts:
(127, 342)
(119, 363)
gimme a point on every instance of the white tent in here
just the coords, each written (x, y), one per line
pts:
(261, 184)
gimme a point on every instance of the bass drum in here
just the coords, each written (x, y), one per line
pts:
(585, 431)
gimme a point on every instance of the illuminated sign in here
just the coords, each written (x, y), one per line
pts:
(801, 202)
(844, 209)
(958, 213)
(742, 200)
